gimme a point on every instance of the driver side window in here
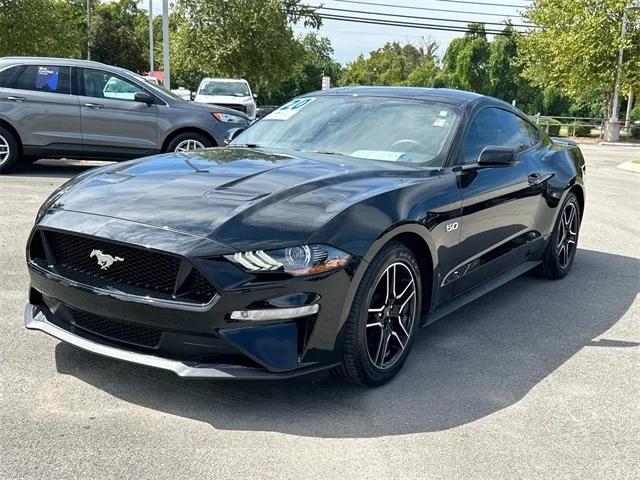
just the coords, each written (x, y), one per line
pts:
(497, 128)
(101, 84)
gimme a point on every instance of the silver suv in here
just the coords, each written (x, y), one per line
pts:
(54, 108)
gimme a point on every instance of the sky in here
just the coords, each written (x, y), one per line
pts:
(352, 39)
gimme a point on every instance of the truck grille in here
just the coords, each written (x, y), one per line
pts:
(235, 106)
(133, 270)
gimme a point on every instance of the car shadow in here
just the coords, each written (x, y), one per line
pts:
(64, 168)
(474, 362)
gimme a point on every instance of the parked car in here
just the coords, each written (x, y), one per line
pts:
(228, 92)
(183, 93)
(53, 107)
(151, 80)
(323, 237)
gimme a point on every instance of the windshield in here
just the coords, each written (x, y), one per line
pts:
(229, 89)
(376, 128)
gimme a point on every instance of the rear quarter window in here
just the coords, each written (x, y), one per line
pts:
(39, 78)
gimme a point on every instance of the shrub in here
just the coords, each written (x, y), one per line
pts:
(551, 126)
(580, 130)
(635, 132)
(635, 113)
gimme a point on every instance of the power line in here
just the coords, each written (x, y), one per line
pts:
(486, 4)
(394, 23)
(415, 17)
(409, 7)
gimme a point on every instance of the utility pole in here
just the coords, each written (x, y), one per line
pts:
(88, 29)
(165, 44)
(612, 130)
(151, 68)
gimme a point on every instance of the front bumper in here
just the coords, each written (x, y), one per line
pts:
(35, 318)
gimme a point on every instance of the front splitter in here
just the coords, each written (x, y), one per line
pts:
(35, 319)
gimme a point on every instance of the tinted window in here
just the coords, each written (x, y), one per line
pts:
(530, 134)
(39, 78)
(497, 128)
(101, 84)
(7, 76)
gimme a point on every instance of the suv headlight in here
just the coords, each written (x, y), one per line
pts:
(297, 261)
(228, 118)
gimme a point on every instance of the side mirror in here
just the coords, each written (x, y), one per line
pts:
(497, 157)
(144, 97)
(232, 134)
(255, 97)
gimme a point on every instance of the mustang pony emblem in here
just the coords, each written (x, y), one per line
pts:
(104, 260)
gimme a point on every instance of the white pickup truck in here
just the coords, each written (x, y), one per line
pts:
(228, 92)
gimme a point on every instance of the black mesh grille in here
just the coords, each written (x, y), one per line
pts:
(143, 271)
(113, 330)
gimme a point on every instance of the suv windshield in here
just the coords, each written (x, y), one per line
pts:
(230, 89)
(377, 128)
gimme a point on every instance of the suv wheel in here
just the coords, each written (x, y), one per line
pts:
(9, 150)
(188, 141)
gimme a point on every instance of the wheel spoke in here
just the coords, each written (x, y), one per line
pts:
(409, 285)
(374, 324)
(413, 292)
(404, 330)
(397, 337)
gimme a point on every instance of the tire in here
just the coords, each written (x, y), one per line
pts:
(9, 151)
(563, 241)
(364, 331)
(178, 142)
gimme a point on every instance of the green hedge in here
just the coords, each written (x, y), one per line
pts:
(551, 126)
(635, 132)
(580, 130)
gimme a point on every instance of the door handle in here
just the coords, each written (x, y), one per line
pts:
(535, 178)
(17, 99)
(93, 105)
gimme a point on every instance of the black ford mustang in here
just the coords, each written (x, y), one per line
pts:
(322, 237)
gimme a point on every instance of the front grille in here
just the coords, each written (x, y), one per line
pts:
(133, 270)
(113, 330)
(235, 106)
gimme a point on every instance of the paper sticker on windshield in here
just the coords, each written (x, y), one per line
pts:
(439, 122)
(288, 110)
(443, 113)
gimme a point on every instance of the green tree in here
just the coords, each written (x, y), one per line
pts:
(425, 74)
(43, 28)
(389, 65)
(252, 39)
(466, 60)
(576, 49)
(315, 58)
(119, 33)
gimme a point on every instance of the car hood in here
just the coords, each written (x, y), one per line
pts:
(236, 196)
(222, 99)
(208, 108)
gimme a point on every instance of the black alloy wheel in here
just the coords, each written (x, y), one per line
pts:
(384, 317)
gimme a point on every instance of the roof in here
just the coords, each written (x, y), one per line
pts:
(446, 95)
(61, 61)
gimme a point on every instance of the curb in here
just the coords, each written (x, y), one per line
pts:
(619, 144)
(630, 167)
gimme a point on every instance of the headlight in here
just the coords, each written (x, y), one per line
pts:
(228, 118)
(302, 260)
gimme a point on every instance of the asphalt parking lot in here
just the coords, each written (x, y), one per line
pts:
(539, 379)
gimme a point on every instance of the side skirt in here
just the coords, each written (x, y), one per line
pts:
(470, 295)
